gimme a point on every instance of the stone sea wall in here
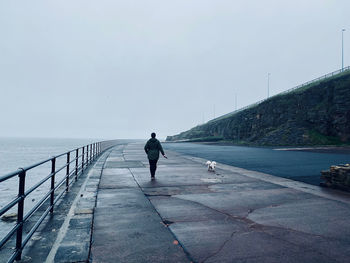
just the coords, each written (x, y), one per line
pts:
(318, 114)
(338, 176)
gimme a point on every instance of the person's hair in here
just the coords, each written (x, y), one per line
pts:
(153, 135)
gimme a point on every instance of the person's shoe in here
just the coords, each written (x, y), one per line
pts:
(153, 178)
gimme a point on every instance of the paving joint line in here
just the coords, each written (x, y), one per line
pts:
(93, 213)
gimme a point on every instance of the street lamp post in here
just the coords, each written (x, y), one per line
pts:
(268, 85)
(342, 49)
(235, 101)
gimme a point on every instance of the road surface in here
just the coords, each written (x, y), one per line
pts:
(296, 165)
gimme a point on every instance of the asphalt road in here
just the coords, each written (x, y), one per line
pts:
(296, 165)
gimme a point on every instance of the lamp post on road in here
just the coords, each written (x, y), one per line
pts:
(235, 101)
(342, 49)
(268, 85)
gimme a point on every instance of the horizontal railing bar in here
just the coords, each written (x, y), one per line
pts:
(46, 196)
(73, 160)
(13, 257)
(81, 155)
(8, 236)
(71, 182)
(59, 196)
(9, 205)
(72, 172)
(62, 154)
(60, 169)
(79, 169)
(38, 184)
(10, 175)
(93, 150)
(64, 191)
(60, 183)
(37, 206)
(36, 164)
(35, 227)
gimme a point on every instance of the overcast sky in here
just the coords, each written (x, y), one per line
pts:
(122, 69)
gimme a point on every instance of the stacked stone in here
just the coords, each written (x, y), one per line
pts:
(338, 176)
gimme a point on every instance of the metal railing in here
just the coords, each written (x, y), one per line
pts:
(76, 161)
(332, 74)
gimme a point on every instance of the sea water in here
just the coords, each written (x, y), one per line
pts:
(21, 152)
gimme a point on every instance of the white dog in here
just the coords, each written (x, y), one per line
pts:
(211, 166)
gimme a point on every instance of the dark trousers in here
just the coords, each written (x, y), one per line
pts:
(153, 166)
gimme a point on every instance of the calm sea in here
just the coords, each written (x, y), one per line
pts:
(21, 152)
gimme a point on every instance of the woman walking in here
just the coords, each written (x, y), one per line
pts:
(152, 148)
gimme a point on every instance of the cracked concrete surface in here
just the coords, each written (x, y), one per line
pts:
(191, 215)
(232, 215)
(229, 216)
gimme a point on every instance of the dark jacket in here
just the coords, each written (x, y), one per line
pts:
(152, 149)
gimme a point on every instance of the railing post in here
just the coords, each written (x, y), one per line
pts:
(82, 159)
(53, 168)
(87, 155)
(90, 153)
(20, 211)
(67, 173)
(76, 163)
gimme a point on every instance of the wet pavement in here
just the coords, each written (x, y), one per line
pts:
(233, 215)
(293, 163)
(115, 213)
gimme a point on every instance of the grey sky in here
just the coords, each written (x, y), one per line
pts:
(122, 69)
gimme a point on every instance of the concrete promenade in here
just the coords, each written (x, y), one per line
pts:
(115, 213)
(189, 214)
